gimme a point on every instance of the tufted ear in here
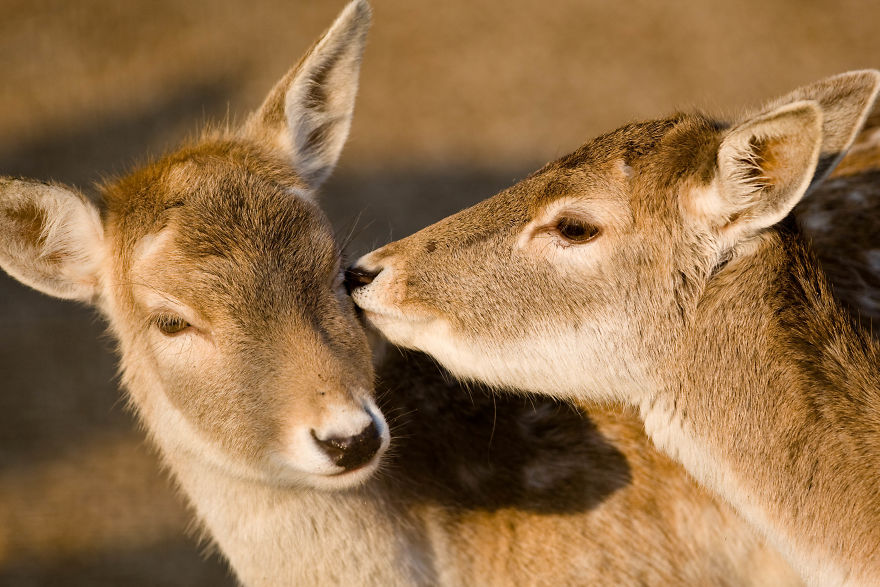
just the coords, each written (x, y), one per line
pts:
(845, 101)
(51, 238)
(765, 166)
(769, 161)
(308, 113)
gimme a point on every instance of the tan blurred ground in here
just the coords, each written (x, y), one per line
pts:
(458, 99)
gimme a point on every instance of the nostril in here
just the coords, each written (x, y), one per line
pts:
(334, 447)
(354, 451)
(356, 277)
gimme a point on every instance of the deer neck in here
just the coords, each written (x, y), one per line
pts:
(775, 404)
(300, 536)
(287, 535)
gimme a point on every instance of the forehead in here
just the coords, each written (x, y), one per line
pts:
(653, 156)
(238, 224)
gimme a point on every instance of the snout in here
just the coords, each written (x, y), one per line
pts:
(351, 452)
(372, 284)
(339, 449)
(357, 276)
(378, 286)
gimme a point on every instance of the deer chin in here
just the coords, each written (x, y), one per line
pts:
(399, 329)
(403, 328)
(346, 479)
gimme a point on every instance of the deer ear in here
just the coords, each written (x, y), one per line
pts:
(308, 113)
(51, 239)
(845, 101)
(764, 168)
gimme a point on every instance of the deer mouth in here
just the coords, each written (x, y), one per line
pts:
(352, 477)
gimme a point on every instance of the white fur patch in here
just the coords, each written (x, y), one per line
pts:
(553, 363)
(74, 230)
(151, 245)
(707, 204)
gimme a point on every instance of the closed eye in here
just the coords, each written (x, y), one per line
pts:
(170, 324)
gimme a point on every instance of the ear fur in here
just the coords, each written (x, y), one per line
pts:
(846, 101)
(768, 162)
(308, 113)
(51, 238)
(764, 168)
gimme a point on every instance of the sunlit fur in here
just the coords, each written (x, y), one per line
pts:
(225, 235)
(700, 303)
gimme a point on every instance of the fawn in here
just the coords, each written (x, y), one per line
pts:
(657, 266)
(243, 357)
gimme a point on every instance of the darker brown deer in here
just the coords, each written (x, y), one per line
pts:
(658, 266)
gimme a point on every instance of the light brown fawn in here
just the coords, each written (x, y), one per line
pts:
(242, 355)
(657, 266)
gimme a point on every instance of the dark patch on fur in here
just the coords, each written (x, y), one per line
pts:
(495, 450)
(629, 143)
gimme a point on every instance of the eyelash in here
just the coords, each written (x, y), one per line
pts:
(575, 231)
(170, 324)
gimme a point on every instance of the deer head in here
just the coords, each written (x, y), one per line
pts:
(220, 278)
(595, 263)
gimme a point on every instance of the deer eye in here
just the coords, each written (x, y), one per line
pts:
(575, 230)
(170, 324)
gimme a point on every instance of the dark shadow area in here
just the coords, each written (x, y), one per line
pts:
(59, 377)
(837, 219)
(172, 563)
(496, 450)
(372, 208)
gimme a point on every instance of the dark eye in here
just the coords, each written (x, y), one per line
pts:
(170, 324)
(576, 231)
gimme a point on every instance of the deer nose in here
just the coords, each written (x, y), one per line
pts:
(356, 277)
(353, 451)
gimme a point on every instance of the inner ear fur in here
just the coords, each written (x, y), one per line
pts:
(846, 100)
(308, 114)
(51, 238)
(765, 166)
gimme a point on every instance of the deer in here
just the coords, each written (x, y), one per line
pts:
(838, 218)
(244, 359)
(659, 266)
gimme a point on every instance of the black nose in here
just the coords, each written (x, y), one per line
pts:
(354, 451)
(356, 277)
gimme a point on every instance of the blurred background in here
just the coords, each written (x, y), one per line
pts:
(458, 99)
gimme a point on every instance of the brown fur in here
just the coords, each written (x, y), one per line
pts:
(476, 490)
(694, 304)
(527, 490)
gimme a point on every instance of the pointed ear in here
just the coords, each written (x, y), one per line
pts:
(308, 113)
(51, 238)
(764, 168)
(845, 101)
